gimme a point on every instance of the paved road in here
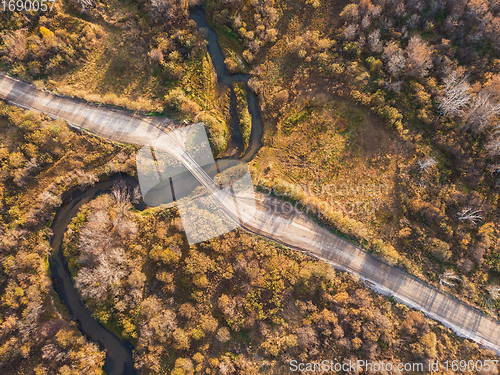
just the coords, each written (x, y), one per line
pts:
(294, 230)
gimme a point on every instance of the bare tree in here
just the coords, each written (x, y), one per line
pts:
(494, 168)
(394, 57)
(414, 21)
(427, 163)
(493, 147)
(86, 180)
(157, 322)
(469, 214)
(122, 224)
(22, 176)
(396, 63)
(164, 10)
(456, 94)
(83, 4)
(395, 86)
(223, 335)
(93, 282)
(108, 228)
(374, 41)
(156, 55)
(121, 192)
(374, 10)
(103, 261)
(8, 326)
(32, 164)
(136, 195)
(29, 325)
(448, 277)
(480, 112)
(366, 22)
(125, 228)
(88, 285)
(50, 351)
(350, 31)
(400, 10)
(15, 41)
(49, 200)
(361, 41)
(390, 49)
(307, 338)
(494, 291)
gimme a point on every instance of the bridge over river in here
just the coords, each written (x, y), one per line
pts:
(294, 230)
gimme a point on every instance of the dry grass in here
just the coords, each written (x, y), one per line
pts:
(337, 150)
(117, 70)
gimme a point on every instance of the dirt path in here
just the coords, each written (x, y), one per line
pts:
(294, 230)
(112, 124)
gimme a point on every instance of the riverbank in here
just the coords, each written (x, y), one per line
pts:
(40, 161)
(119, 354)
(248, 146)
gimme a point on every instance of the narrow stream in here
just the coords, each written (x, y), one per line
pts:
(119, 358)
(119, 354)
(215, 51)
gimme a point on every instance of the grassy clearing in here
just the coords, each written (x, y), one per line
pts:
(117, 71)
(341, 160)
(330, 142)
(244, 117)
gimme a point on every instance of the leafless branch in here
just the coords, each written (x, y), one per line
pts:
(470, 215)
(448, 277)
(121, 192)
(479, 112)
(494, 291)
(136, 195)
(427, 163)
(456, 95)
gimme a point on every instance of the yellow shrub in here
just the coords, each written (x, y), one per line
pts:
(46, 33)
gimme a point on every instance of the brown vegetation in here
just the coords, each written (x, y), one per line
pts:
(40, 160)
(136, 56)
(430, 70)
(244, 117)
(211, 308)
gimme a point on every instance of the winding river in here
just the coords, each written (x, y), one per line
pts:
(215, 51)
(119, 358)
(119, 354)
